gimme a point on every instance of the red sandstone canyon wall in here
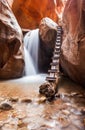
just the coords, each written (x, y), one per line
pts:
(30, 12)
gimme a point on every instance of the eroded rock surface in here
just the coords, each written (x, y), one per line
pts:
(73, 46)
(11, 48)
(47, 32)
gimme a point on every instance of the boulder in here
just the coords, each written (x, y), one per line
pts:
(11, 47)
(47, 32)
(73, 46)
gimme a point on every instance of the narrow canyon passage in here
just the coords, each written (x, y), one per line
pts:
(28, 31)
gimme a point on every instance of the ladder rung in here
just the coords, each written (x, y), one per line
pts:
(55, 58)
(50, 78)
(58, 43)
(58, 40)
(56, 52)
(54, 63)
(59, 27)
(53, 71)
(58, 47)
(55, 55)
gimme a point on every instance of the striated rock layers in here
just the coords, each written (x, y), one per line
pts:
(73, 47)
(11, 49)
(30, 12)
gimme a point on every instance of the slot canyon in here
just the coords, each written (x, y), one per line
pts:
(42, 65)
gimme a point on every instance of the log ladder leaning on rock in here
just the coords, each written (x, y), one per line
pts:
(49, 88)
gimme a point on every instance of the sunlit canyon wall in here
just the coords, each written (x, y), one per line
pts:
(30, 12)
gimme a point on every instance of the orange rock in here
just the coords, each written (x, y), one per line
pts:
(30, 12)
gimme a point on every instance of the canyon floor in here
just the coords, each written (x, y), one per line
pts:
(23, 108)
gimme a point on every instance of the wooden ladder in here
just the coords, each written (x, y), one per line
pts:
(54, 72)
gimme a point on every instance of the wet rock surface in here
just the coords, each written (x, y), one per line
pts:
(32, 111)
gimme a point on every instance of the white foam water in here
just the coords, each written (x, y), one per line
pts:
(33, 79)
(31, 46)
(29, 67)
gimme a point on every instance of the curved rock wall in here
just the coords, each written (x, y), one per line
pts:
(73, 47)
(11, 48)
(30, 12)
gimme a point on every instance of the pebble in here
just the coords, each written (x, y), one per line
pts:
(9, 127)
(65, 112)
(1, 99)
(84, 122)
(26, 100)
(19, 114)
(14, 99)
(21, 124)
(5, 106)
(74, 94)
(83, 111)
(64, 122)
(42, 99)
(23, 128)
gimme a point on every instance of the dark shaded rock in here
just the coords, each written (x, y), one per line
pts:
(11, 48)
(14, 99)
(24, 31)
(26, 100)
(5, 106)
(47, 89)
(73, 46)
(47, 32)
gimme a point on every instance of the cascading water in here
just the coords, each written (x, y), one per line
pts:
(29, 67)
(31, 45)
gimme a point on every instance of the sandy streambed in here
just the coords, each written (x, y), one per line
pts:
(27, 110)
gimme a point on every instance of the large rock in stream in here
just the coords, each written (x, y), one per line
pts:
(11, 48)
(73, 46)
(47, 33)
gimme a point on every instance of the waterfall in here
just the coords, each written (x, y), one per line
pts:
(31, 45)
